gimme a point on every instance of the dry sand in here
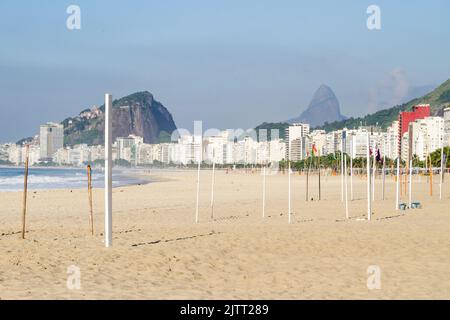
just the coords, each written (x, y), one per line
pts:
(160, 253)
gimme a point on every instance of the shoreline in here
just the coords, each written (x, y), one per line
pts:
(126, 178)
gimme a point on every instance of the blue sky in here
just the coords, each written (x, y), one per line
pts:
(232, 64)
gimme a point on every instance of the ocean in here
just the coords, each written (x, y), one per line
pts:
(11, 178)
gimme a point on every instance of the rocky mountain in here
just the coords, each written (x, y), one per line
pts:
(438, 99)
(139, 114)
(324, 107)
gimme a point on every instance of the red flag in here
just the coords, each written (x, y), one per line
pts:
(314, 149)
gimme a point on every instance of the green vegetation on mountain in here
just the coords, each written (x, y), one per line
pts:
(280, 126)
(138, 113)
(438, 99)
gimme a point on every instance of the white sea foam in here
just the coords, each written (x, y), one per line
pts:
(58, 179)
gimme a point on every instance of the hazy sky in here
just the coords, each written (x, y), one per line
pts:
(230, 63)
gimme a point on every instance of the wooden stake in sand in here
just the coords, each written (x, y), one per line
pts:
(25, 191)
(91, 212)
(346, 192)
(108, 170)
(369, 202)
(307, 179)
(410, 184)
(397, 194)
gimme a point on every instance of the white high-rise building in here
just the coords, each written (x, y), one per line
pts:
(51, 137)
(127, 148)
(319, 139)
(392, 140)
(296, 135)
(277, 150)
(447, 127)
(15, 154)
(425, 137)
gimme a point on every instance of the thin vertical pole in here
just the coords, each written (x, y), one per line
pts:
(264, 193)
(108, 170)
(351, 172)
(346, 191)
(405, 180)
(342, 167)
(374, 169)
(307, 182)
(320, 192)
(401, 179)
(25, 191)
(289, 191)
(397, 195)
(212, 187)
(369, 203)
(431, 176)
(198, 191)
(441, 178)
(384, 170)
(410, 184)
(91, 212)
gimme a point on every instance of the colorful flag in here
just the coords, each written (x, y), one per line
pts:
(378, 155)
(314, 149)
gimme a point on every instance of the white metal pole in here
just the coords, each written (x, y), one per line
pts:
(342, 167)
(369, 203)
(264, 193)
(108, 170)
(442, 168)
(410, 184)
(397, 194)
(384, 169)
(198, 185)
(289, 192)
(212, 187)
(374, 156)
(346, 192)
(351, 172)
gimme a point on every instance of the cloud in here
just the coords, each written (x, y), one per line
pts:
(390, 91)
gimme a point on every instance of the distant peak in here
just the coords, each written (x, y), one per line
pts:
(324, 107)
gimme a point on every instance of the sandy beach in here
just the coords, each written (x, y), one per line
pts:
(160, 253)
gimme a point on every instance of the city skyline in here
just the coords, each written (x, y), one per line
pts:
(250, 60)
(415, 135)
